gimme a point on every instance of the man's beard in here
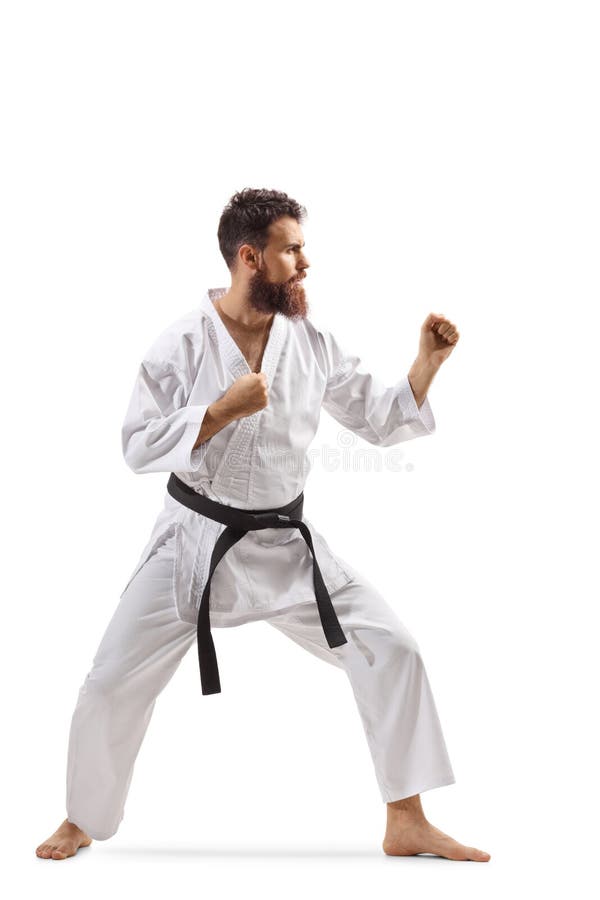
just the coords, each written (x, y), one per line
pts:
(287, 297)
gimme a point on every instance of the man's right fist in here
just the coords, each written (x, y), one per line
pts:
(247, 394)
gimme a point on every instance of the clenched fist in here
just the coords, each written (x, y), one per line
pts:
(247, 394)
(438, 338)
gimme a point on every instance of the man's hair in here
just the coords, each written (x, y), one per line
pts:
(247, 216)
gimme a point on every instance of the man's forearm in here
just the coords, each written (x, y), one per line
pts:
(420, 377)
(217, 416)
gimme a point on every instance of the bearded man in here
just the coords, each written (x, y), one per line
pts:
(221, 397)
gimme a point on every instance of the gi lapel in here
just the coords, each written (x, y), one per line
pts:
(231, 353)
(237, 483)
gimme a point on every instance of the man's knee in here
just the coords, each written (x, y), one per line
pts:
(106, 681)
(403, 642)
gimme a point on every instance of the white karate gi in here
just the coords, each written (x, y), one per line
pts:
(256, 462)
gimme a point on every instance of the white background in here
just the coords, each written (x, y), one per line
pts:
(447, 154)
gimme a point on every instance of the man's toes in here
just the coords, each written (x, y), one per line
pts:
(62, 849)
(54, 851)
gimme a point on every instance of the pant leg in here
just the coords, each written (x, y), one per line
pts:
(387, 674)
(139, 653)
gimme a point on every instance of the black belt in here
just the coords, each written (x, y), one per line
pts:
(239, 522)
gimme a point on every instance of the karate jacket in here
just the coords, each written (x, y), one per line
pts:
(255, 462)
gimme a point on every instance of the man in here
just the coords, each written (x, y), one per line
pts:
(224, 400)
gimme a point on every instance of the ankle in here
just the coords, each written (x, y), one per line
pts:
(407, 807)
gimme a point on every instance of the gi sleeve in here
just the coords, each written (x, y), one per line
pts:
(358, 400)
(159, 430)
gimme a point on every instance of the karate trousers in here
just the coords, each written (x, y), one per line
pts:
(145, 642)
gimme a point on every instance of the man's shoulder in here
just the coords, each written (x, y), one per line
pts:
(313, 326)
(181, 341)
(191, 323)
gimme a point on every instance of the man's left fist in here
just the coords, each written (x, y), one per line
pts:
(438, 338)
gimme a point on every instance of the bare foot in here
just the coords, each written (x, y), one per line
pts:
(410, 837)
(408, 832)
(66, 841)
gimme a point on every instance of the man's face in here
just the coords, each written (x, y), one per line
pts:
(276, 284)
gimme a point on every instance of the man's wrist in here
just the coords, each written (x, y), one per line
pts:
(420, 376)
(222, 411)
(423, 366)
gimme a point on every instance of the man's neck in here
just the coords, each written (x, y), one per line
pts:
(237, 309)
